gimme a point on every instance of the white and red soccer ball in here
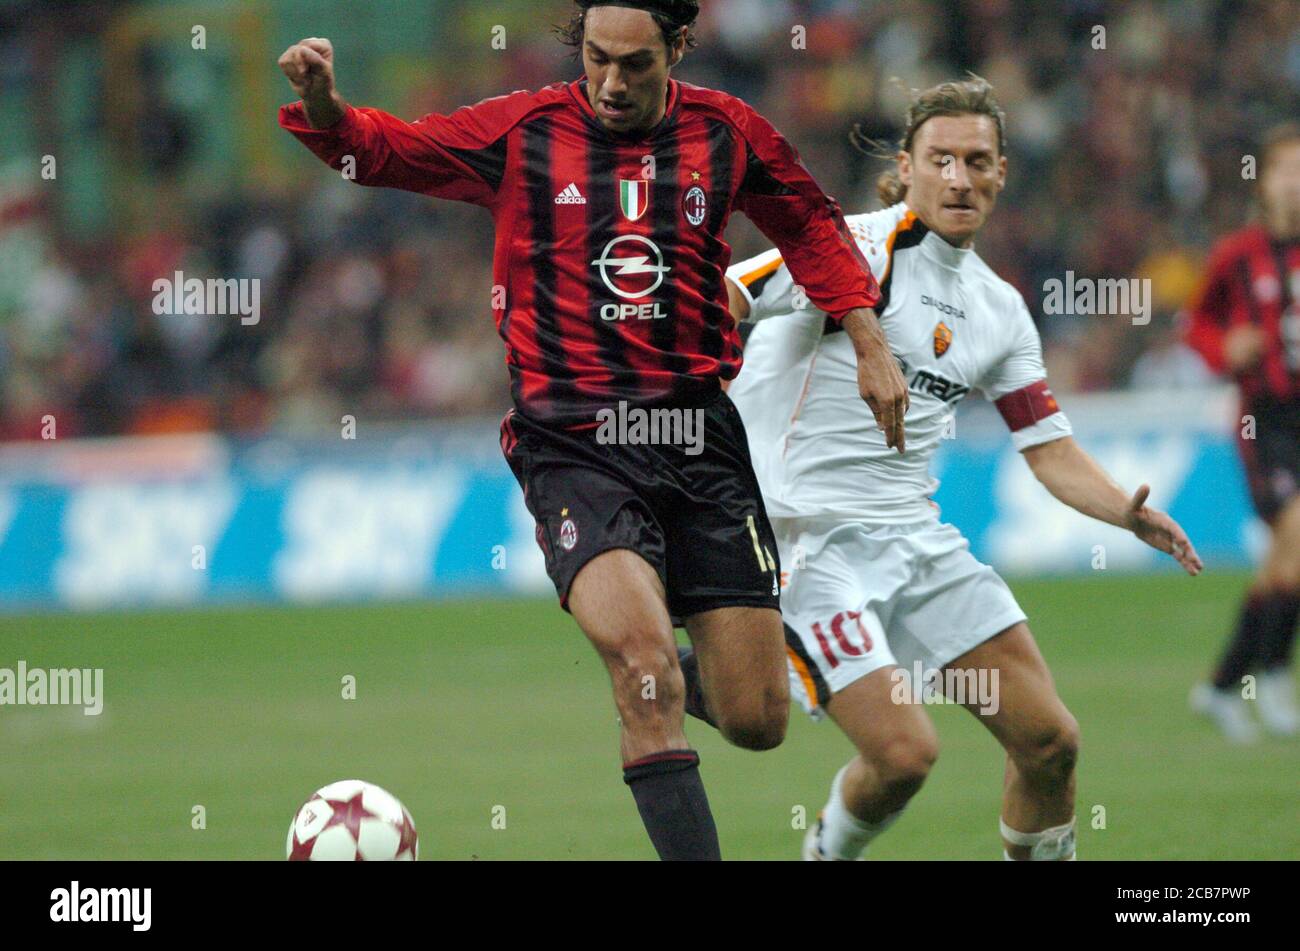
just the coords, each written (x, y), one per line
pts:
(352, 821)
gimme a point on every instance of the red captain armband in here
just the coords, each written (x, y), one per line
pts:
(1027, 406)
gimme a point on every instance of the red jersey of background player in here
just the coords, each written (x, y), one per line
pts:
(610, 248)
(1253, 279)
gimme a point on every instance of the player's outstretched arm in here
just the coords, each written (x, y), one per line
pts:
(459, 157)
(736, 303)
(309, 66)
(880, 381)
(1076, 479)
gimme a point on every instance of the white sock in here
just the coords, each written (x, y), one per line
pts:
(844, 835)
(1051, 845)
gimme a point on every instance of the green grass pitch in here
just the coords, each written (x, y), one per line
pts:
(463, 707)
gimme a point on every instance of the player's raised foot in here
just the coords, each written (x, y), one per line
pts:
(690, 665)
(812, 845)
(1277, 703)
(1228, 711)
(812, 849)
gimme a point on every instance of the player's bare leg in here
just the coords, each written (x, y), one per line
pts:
(1041, 738)
(619, 602)
(1261, 645)
(1278, 587)
(741, 656)
(897, 745)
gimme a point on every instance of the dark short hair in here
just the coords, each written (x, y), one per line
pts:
(670, 15)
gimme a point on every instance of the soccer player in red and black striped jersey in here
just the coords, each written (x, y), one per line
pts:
(611, 195)
(1246, 324)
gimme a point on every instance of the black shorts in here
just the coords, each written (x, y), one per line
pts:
(697, 518)
(1272, 458)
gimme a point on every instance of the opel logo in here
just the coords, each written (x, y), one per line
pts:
(634, 265)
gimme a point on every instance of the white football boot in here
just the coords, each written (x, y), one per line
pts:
(812, 845)
(812, 848)
(1277, 705)
(1228, 711)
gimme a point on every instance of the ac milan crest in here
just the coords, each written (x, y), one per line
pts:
(696, 206)
(568, 535)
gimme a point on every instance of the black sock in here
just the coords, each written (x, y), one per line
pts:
(1264, 638)
(670, 796)
(1279, 642)
(1244, 649)
(690, 665)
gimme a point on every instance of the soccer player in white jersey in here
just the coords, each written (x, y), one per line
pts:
(876, 582)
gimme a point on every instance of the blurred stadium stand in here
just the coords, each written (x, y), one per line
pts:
(1125, 162)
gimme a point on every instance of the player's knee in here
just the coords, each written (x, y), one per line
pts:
(1065, 747)
(1282, 572)
(903, 763)
(647, 681)
(1282, 580)
(759, 723)
(1051, 752)
(765, 733)
(1281, 576)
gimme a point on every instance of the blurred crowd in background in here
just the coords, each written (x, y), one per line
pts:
(1126, 147)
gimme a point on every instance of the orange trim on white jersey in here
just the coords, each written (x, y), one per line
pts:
(761, 272)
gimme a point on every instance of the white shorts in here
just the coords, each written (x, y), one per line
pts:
(859, 598)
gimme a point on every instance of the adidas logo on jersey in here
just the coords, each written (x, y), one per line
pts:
(570, 196)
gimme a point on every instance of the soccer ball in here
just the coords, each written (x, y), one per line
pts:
(352, 821)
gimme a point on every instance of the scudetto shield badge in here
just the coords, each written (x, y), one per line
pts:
(942, 339)
(634, 197)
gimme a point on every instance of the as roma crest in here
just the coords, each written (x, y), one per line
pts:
(634, 198)
(942, 339)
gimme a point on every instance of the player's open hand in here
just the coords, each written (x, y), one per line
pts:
(1160, 531)
(309, 65)
(879, 380)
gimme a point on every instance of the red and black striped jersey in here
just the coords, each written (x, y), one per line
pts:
(1253, 278)
(609, 256)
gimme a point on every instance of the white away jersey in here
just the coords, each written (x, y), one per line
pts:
(954, 326)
